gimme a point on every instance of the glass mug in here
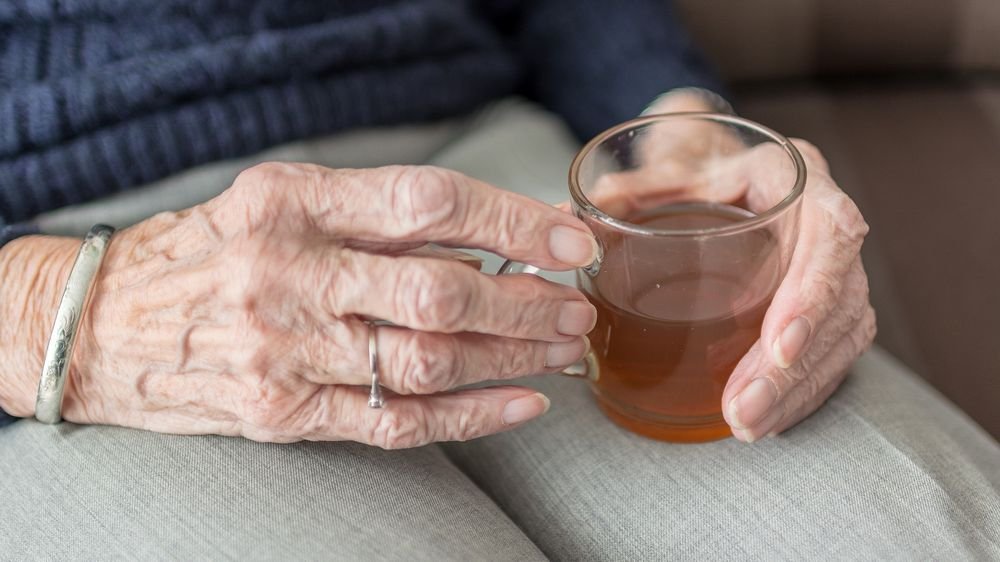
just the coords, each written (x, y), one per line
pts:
(696, 216)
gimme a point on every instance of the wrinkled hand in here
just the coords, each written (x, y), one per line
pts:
(245, 315)
(820, 320)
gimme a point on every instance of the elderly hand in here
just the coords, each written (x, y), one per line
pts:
(819, 322)
(820, 319)
(245, 315)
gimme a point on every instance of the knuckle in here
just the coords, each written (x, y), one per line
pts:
(262, 180)
(435, 300)
(316, 352)
(507, 226)
(826, 287)
(427, 366)
(768, 153)
(514, 361)
(259, 408)
(393, 430)
(261, 191)
(799, 372)
(346, 281)
(860, 339)
(465, 427)
(813, 385)
(324, 273)
(310, 415)
(860, 298)
(793, 375)
(869, 328)
(329, 355)
(848, 222)
(531, 305)
(259, 176)
(864, 285)
(274, 413)
(812, 154)
(423, 197)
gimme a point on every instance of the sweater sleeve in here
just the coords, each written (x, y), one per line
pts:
(600, 62)
(9, 232)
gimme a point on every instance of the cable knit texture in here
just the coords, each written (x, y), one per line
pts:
(98, 96)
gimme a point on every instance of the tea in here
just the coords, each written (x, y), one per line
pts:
(673, 322)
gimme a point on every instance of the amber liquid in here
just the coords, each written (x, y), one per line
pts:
(670, 333)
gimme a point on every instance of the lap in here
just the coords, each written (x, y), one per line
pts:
(886, 469)
(100, 493)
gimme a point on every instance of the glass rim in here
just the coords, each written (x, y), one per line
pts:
(581, 200)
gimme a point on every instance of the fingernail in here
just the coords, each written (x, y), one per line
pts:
(572, 246)
(525, 408)
(565, 353)
(765, 427)
(750, 405)
(790, 343)
(576, 318)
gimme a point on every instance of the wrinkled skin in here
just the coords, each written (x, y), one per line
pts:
(820, 320)
(245, 315)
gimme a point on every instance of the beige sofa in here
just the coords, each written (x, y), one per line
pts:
(904, 99)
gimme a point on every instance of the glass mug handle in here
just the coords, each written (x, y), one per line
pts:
(586, 367)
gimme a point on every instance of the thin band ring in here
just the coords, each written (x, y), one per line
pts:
(375, 399)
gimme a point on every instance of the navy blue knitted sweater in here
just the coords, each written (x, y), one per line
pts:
(98, 96)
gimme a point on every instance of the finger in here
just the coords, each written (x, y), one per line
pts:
(813, 157)
(765, 172)
(823, 380)
(427, 204)
(679, 101)
(438, 252)
(831, 233)
(757, 385)
(781, 418)
(444, 296)
(412, 362)
(342, 413)
(694, 142)
(757, 178)
(416, 249)
(838, 361)
(852, 304)
(622, 194)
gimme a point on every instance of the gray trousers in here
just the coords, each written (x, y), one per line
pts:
(887, 469)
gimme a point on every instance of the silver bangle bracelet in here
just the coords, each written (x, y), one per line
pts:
(52, 384)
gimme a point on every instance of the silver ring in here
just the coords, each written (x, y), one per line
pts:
(375, 399)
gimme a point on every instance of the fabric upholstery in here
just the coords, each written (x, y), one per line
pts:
(886, 470)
